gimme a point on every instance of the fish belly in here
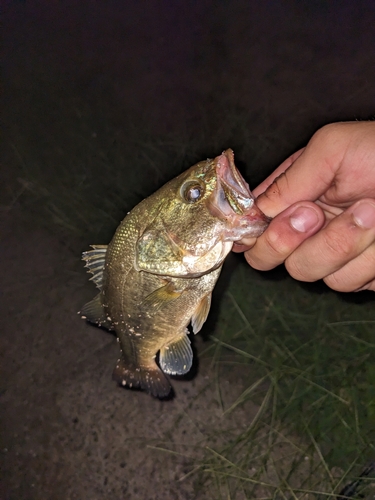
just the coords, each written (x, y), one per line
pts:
(146, 325)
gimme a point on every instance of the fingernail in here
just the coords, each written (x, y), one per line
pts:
(303, 219)
(364, 215)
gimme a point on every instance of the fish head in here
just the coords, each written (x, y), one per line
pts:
(199, 215)
(212, 201)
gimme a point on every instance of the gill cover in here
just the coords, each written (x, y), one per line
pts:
(158, 253)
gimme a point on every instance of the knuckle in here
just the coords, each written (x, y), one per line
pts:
(278, 243)
(338, 282)
(275, 190)
(330, 140)
(255, 262)
(297, 269)
(337, 244)
(329, 133)
(271, 249)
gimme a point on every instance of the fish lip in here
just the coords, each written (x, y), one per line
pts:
(233, 201)
(225, 163)
(236, 189)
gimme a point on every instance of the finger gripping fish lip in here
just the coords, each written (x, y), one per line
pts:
(233, 199)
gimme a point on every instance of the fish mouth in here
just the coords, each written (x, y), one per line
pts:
(236, 189)
(233, 200)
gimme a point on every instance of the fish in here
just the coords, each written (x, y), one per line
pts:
(157, 274)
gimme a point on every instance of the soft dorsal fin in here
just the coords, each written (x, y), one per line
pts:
(176, 358)
(95, 260)
(94, 312)
(201, 313)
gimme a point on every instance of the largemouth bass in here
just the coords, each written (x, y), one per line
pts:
(157, 274)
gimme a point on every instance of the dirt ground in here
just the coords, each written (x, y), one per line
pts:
(68, 432)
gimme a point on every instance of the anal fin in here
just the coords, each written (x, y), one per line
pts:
(176, 358)
(93, 311)
(201, 313)
(151, 380)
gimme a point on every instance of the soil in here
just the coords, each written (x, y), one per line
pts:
(68, 432)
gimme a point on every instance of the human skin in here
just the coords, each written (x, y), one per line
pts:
(322, 200)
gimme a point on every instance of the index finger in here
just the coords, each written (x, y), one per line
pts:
(307, 174)
(276, 173)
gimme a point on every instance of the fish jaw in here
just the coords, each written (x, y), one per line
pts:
(236, 189)
(234, 202)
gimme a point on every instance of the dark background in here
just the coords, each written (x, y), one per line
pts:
(103, 102)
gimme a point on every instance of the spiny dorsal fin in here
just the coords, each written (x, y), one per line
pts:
(95, 260)
(176, 358)
(201, 313)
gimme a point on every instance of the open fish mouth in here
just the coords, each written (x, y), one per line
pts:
(236, 189)
(233, 200)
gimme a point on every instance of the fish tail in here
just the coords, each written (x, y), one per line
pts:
(150, 379)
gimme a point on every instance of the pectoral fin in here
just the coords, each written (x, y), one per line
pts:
(161, 296)
(176, 358)
(201, 313)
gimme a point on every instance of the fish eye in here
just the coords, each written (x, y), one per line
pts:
(192, 192)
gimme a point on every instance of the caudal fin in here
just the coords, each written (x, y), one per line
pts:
(151, 380)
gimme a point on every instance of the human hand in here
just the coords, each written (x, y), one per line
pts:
(322, 199)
